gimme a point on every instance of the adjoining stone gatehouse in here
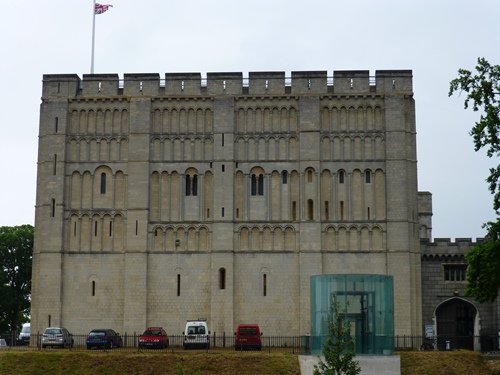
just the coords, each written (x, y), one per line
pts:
(174, 198)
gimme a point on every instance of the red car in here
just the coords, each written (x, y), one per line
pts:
(247, 337)
(154, 337)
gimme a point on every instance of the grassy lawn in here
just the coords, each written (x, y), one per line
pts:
(221, 363)
(102, 363)
(447, 363)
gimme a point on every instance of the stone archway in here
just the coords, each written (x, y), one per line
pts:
(456, 324)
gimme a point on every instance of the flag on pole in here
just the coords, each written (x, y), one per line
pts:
(101, 8)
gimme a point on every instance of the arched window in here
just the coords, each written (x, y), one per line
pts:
(257, 184)
(222, 278)
(284, 177)
(368, 177)
(103, 183)
(191, 183)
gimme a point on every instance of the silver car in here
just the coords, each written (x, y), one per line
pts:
(57, 336)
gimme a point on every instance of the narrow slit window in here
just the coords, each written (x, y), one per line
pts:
(188, 185)
(74, 229)
(341, 177)
(222, 278)
(264, 285)
(368, 177)
(223, 168)
(110, 228)
(56, 125)
(93, 288)
(178, 285)
(222, 139)
(53, 208)
(294, 210)
(194, 186)
(208, 213)
(237, 213)
(284, 177)
(327, 210)
(310, 209)
(50, 321)
(103, 183)
(95, 228)
(54, 169)
(136, 227)
(222, 213)
(368, 213)
(341, 210)
(261, 185)
(254, 185)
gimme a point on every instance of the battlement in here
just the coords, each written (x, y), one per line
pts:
(446, 247)
(347, 82)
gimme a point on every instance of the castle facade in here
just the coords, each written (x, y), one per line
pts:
(166, 199)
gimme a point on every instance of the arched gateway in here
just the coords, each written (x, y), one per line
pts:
(457, 323)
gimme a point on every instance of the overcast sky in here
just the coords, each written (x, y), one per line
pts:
(432, 38)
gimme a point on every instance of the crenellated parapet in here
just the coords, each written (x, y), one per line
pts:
(345, 82)
(446, 248)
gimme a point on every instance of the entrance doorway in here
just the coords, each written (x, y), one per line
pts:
(455, 324)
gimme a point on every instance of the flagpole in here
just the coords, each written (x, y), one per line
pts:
(93, 40)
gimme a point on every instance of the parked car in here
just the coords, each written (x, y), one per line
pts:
(247, 336)
(57, 336)
(154, 337)
(196, 334)
(103, 338)
(24, 336)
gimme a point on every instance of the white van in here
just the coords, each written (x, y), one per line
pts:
(24, 336)
(196, 334)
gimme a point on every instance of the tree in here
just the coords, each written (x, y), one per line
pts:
(16, 249)
(338, 348)
(483, 275)
(483, 92)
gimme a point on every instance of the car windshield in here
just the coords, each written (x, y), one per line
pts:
(25, 330)
(53, 331)
(97, 333)
(248, 331)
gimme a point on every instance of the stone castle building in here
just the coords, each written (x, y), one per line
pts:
(166, 199)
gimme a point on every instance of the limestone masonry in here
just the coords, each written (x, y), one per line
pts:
(174, 198)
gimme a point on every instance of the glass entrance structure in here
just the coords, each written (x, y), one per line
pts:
(365, 301)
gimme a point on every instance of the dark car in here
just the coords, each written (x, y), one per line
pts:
(104, 338)
(154, 337)
(57, 336)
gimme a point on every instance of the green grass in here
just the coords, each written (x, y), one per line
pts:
(444, 363)
(102, 363)
(56, 362)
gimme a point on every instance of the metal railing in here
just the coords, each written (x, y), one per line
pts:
(284, 344)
